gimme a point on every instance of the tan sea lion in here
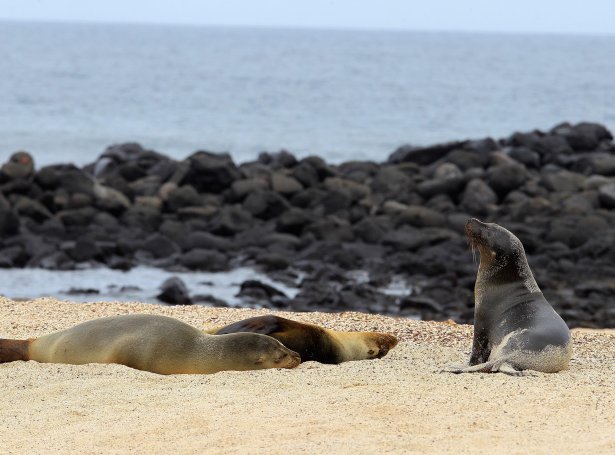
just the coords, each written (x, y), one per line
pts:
(153, 343)
(316, 343)
(515, 328)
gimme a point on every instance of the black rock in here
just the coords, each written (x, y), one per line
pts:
(160, 246)
(83, 250)
(281, 159)
(331, 228)
(230, 220)
(142, 217)
(525, 156)
(424, 155)
(294, 221)
(174, 291)
(211, 172)
(13, 256)
(419, 216)
(207, 241)
(306, 174)
(258, 290)
(9, 223)
(210, 300)
(265, 204)
(405, 238)
(19, 166)
(583, 136)
(183, 196)
(606, 196)
(392, 180)
(419, 305)
(273, 261)
(82, 291)
(478, 198)
(207, 260)
(79, 217)
(504, 178)
(33, 209)
(371, 229)
(242, 188)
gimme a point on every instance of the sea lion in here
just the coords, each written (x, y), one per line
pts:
(316, 343)
(515, 328)
(153, 343)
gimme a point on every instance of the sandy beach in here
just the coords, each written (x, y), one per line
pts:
(398, 404)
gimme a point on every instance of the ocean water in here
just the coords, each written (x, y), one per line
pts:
(140, 284)
(69, 90)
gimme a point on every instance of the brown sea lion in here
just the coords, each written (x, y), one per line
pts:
(316, 343)
(515, 328)
(153, 343)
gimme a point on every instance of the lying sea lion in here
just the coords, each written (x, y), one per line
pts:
(316, 343)
(515, 328)
(153, 343)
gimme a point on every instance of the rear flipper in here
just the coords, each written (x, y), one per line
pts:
(491, 366)
(12, 350)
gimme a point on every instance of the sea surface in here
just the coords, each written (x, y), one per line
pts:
(69, 90)
(140, 284)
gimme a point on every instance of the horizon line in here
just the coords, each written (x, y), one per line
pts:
(340, 28)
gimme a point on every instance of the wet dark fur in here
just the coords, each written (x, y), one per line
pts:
(309, 341)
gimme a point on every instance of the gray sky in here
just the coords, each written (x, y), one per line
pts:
(542, 16)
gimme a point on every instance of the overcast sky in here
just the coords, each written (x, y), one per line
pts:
(542, 16)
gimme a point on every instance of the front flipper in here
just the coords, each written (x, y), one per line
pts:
(266, 325)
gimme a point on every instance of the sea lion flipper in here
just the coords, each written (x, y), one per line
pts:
(11, 350)
(486, 367)
(507, 368)
(265, 325)
(480, 346)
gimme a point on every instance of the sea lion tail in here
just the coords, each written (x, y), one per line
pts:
(12, 350)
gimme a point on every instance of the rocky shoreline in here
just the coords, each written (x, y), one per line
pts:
(340, 232)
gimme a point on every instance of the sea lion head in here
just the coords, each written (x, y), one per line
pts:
(492, 240)
(381, 344)
(366, 345)
(502, 256)
(262, 351)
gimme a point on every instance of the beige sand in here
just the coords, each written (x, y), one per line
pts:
(398, 404)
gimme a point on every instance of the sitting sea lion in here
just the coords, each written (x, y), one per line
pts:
(316, 343)
(515, 328)
(153, 343)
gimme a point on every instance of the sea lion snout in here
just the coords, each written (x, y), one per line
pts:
(287, 359)
(386, 342)
(474, 228)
